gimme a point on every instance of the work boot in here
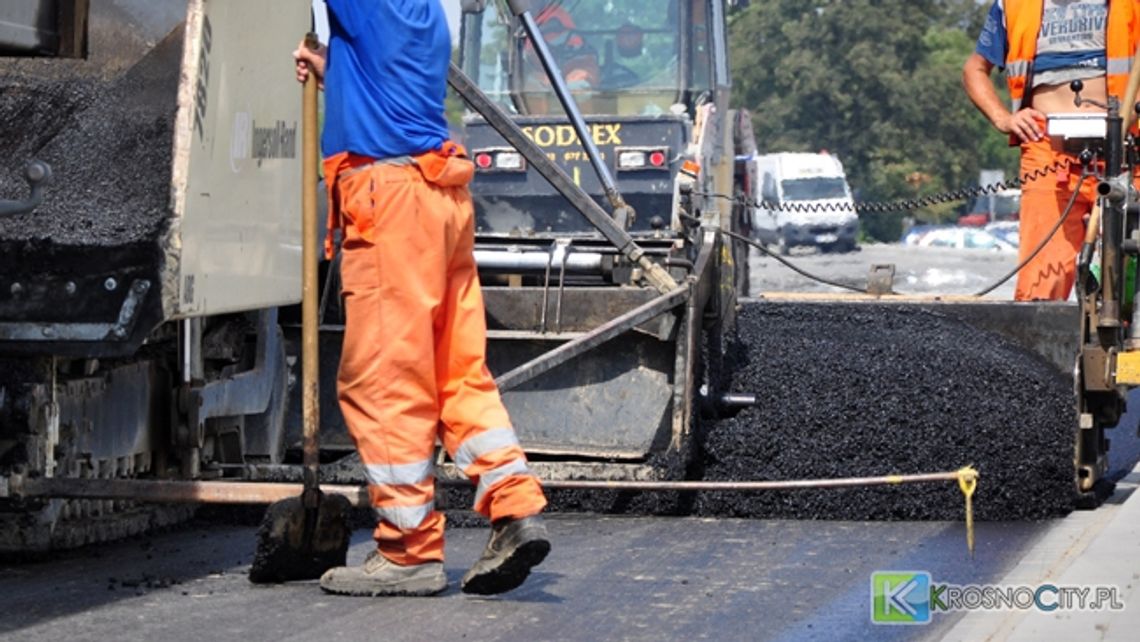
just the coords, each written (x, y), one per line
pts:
(515, 547)
(381, 576)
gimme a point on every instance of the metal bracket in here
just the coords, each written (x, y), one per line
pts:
(117, 331)
(592, 339)
(881, 279)
(560, 253)
(245, 393)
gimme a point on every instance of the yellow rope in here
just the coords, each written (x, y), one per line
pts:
(968, 482)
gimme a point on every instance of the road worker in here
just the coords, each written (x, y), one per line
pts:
(412, 367)
(1044, 45)
(577, 60)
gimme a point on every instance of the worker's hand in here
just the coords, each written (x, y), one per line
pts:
(310, 60)
(1027, 124)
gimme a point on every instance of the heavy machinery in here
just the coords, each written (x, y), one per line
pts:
(161, 350)
(139, 327)
(142, 330)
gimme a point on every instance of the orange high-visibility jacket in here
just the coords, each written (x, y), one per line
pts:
(1023, 22)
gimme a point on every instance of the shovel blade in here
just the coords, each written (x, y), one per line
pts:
(290, 550)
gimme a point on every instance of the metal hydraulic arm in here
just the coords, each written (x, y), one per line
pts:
(607, 225)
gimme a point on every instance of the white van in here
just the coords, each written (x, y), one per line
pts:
(805, 201)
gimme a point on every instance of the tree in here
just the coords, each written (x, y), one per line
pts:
(876, 82)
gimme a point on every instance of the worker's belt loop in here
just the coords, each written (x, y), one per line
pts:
(395, 160)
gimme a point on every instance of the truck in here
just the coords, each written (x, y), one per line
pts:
(805, 201)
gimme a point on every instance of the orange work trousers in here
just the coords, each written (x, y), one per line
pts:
(1044, 195)
(412, 367)
(1051, 274)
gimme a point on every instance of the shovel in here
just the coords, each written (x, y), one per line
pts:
(302, 537)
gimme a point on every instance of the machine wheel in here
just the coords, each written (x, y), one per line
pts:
(1102, 489)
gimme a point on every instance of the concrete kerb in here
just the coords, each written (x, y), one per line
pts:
(1100, 547)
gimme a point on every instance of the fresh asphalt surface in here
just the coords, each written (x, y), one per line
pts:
(636, 578)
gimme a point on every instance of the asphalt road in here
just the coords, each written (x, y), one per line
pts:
(608, 578)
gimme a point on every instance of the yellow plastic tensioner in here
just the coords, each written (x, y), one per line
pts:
(968, 482)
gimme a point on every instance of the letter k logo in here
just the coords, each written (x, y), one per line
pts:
(900, 597)
(897, 596)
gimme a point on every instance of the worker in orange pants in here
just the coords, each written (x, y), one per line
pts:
(1044, 47)
(412, 367)
(1051, 179)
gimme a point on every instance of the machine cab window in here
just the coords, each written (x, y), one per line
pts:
(618, 57)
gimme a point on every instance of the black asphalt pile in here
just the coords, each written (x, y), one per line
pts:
(457, 500)
(108, 143)
(850, 390)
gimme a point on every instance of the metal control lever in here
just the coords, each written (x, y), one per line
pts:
(1078, 86)
(37, 173)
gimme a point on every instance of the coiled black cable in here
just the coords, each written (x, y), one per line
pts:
(819, 279)
(903, 205)
(1044, 241)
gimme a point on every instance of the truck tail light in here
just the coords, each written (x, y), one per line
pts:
(509, 161)
(499, 160)
(642, 158)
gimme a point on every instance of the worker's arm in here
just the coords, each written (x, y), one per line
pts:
(308, 59)
(1025, 124)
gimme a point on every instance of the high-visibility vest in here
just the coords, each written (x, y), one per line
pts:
(1023, 24)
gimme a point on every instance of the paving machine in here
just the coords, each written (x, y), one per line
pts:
(146, 333)
(611, 177)
(633, 107)
(142, 273)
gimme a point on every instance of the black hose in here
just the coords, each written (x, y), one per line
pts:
(795, 268)
(1044, 241)
(1021, 265)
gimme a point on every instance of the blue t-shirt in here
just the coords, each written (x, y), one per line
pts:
(386, 77)
(992, 40)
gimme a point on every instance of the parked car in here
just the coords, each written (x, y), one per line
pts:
(965, 238)
(915, 233)
(991, 208)
(1008, 231)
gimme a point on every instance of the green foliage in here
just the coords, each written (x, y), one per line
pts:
(877, 82)
(453, 105)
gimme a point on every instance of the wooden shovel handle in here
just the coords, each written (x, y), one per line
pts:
(310, 357)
